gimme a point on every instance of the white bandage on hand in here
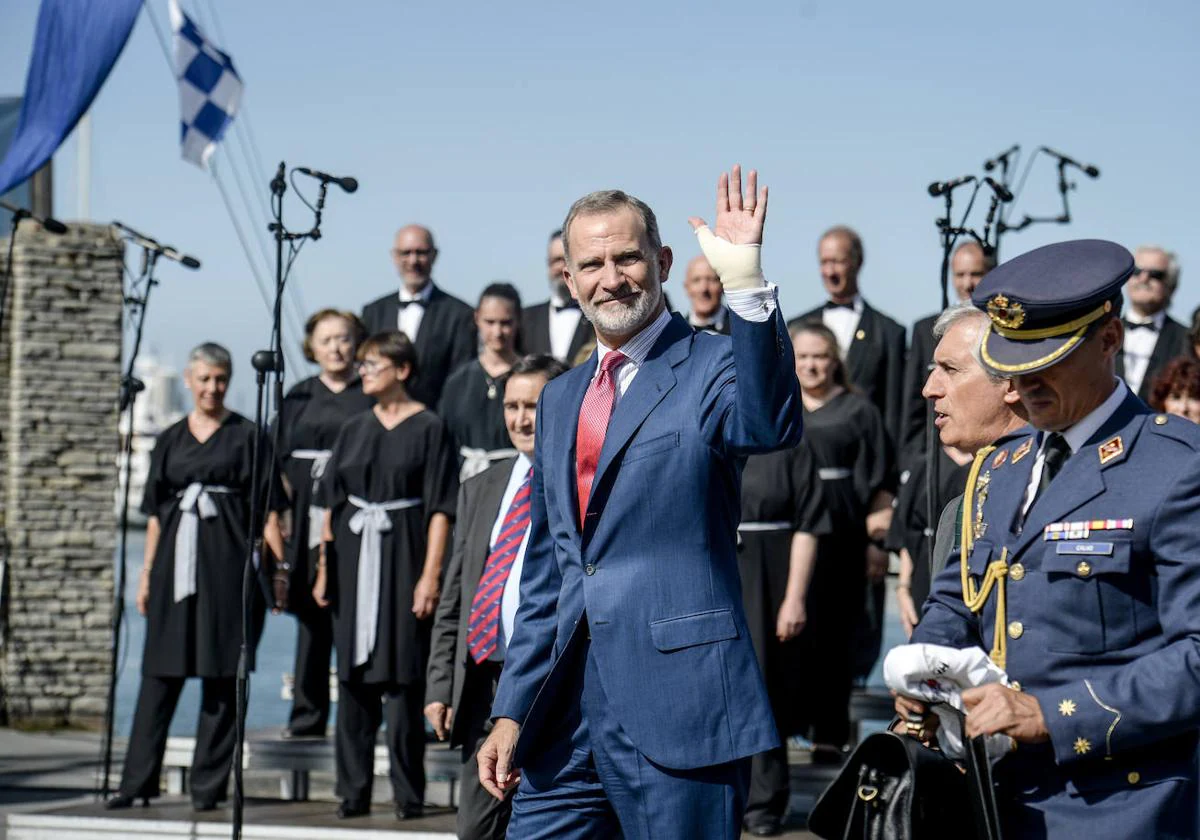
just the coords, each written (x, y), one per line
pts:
(738, 266)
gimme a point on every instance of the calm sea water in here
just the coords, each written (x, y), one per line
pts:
(267, 709)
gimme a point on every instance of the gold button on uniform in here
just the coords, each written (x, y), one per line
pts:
(1134, 777)
(1015, 686)
(1083, 569)
(1015, 629)
(1017, 571)
(1160, 420)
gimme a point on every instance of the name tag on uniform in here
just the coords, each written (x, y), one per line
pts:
(1083, 530)
(1101, 548)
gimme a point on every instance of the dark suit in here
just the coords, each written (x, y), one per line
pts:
(915, 413)
(446, 338)
(1173, 341)
(875, 361)
(452, 677)
(535, 331)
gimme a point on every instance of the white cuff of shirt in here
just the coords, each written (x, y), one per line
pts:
(757, 305)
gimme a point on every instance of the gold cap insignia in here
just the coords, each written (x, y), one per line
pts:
(1022, 450)
(1000, 458)
(1066, 708)
(1010, 315)
(1111, 448)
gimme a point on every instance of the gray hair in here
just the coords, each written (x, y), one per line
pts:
(608, 201)
(963, 312)
(1173, 268)
(213, 354)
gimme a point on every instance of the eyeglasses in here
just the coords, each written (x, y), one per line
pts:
(1153, 273)
(412, 252)
(372, 367)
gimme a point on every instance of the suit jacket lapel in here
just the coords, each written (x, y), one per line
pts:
(583, 334)
(856, 355)
(536, 328)
(430, 321)
(576, 383)
(491, 494)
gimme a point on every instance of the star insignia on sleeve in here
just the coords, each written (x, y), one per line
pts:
(1066, 708)
(1082, 745)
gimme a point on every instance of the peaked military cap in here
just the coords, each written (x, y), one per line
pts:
(1041, 304)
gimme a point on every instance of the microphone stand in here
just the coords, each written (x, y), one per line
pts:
(17, 215)
(269, 362)
(131, 386)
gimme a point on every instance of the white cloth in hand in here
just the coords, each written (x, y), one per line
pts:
(936, 674)
(738, 266)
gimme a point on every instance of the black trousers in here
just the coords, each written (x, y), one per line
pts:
(362, 707)
(310, 695)
(480, 815)
(216, 737)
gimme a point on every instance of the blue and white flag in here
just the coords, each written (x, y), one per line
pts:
(209, 88)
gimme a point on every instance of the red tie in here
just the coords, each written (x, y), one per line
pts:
(594, 415)
(483, 622)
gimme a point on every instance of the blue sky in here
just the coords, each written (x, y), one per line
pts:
(484, 121)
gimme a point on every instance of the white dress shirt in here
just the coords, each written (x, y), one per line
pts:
(510, 599)
(564, 320)
(1076, 436)
(844, 322)
(715, 323)
(755, 305)
(1139, 346)
(408, 321)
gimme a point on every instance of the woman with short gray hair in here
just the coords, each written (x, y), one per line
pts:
(197, 500)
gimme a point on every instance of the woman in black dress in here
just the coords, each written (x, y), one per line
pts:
(197, 499)
(390, 490)
(472, 404)
(854, 459)
(313, 411)
(783, 515)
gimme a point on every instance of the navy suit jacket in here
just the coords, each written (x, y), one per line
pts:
(655, 565)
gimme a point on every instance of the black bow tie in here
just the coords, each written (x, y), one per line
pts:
(414, 302)
(570, 304)
(1131, 325)
(829, 304)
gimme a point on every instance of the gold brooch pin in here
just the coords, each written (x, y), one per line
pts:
(1082, 746)
(1066, 708)
(1006, 313)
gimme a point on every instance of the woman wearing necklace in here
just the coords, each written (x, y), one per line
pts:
(390, 493)
(854, 459)
(472, 404)
(312, 413)
(197, 498)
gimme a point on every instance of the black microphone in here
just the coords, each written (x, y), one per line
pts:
(48, 224)
(279, 182)
(939, 187)
(1002, 192)
(151, 244)
(992, 163)
(1087, 169)
(348, 184)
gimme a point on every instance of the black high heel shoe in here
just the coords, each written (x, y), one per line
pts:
(120, 802)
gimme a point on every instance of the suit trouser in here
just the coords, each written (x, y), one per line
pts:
(314, 646)
(216, 737)
(590, 781)
(361, 710)
(480, 815)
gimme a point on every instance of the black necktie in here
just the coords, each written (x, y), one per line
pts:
(414, 302)
(570, 304)
(1055, 453)
(1133, 325)
(829, 304)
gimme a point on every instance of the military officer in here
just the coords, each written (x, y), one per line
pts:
(1079, 567)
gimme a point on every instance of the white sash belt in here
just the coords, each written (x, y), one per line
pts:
(316, 513)
(195, 503)
(370, 522)
(476, 461)
(834, 473)
(748, 527)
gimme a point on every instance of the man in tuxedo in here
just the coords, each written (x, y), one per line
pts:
(557, 326)
(631, 700)
(871, 343)
(475, 616)
(441, 327)
(967, 266)
(1152, 338)
(703, 288)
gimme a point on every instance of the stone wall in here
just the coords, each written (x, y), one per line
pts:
(60, 357)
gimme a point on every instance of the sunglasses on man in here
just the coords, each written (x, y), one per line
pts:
(1153, 273)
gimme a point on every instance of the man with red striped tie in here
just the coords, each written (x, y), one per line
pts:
(480, 594)
(631, 701)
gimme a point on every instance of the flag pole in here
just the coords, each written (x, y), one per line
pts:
(83, 175)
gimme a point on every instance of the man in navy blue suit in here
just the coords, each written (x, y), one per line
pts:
(631, 701)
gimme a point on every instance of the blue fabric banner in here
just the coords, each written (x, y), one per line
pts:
(76, 45)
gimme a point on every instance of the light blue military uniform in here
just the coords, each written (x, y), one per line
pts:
(1091, 602)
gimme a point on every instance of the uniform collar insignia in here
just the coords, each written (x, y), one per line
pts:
(1000, 458)
(1022, 450)
(1110, 449)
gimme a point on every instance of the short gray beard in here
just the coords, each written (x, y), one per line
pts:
(626, 320)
